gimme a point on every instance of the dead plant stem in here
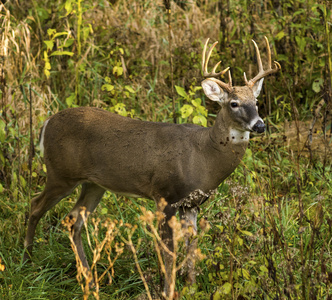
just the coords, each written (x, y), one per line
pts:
(131, 245)
(168, 7)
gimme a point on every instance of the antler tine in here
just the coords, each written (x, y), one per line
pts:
(258, 55)
(261, 72)
(229, 78)
(205, 61)
(268, 52)
(203, 55)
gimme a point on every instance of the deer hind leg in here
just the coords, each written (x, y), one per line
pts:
(54, 191)
(189, 224)
(90, 197)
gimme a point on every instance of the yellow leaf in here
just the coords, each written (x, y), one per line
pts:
(248, 233)
(216, 296)
(264, 269)
(227, 287)
(245, 274)
(240, 241)
(221, 228)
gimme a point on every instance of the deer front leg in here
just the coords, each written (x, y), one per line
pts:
(189, 225)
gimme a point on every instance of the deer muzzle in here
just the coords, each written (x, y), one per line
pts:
(259, 127)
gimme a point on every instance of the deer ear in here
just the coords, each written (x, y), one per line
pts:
(213, 91)
(257, 87)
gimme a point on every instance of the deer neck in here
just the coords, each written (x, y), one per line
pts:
(225, 148)
(225, 136)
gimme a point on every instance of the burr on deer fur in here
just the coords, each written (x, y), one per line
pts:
(104, 151)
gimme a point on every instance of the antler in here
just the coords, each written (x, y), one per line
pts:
(206, 74)
(261, 72)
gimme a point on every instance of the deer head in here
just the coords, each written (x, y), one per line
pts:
(239, 101)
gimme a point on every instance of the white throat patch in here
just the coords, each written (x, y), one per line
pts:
(237, 136)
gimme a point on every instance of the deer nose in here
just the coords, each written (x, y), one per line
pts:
(259, 126)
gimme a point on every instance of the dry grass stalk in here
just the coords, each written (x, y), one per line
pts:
(129, 242)
(181, 234)
(89, 277)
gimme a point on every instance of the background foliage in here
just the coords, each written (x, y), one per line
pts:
(271, 223)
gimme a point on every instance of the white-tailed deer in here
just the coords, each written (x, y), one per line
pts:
(180, 163)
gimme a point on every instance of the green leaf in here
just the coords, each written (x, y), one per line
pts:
(1, 188)
(300, 42)
(130, 89)
(47, 66)
(68, 43)
(227, 288)
(68, 7)
(202, 110)
(186, 110)
(196, 102)
(51, 32)
(2, 131)
(245, 274)
(46, 69)
(280, 35)
(43, 13)
(221, 228)
(107, 87)
(86, 32)
(299, 12)
(180, 90)
(317, 84)
(70, 100)
(200, 120)
(282, 57)
(118, 70)
(264, 269)
(49, 45)
(104, 211)
(120, 109)
(240, 241)
(217, 296)
(248, 233)
(197, 88)
(60, 34)
(22, 180)
(62, 53)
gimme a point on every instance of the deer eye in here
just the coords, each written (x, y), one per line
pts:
(234, 104)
